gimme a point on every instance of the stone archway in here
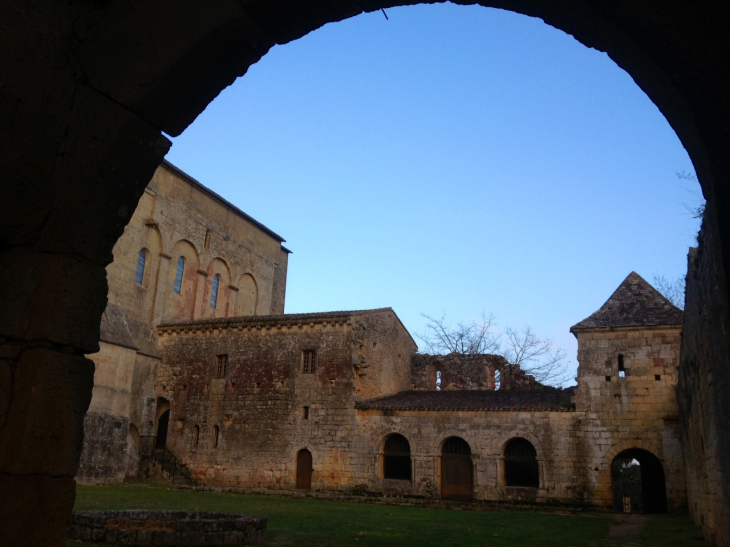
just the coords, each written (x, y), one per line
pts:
(86, 90)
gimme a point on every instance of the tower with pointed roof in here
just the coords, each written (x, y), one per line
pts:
(628, 354)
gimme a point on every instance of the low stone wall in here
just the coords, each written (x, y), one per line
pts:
(166, 528)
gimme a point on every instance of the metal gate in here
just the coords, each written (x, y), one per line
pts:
(304, 470)
(627, 493)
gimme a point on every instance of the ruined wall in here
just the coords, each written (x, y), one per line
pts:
(704, 384)
(470, 372)
(258, 407)
(635, 411)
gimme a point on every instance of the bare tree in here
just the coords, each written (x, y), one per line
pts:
(441, 338)
(534, 355)
(697, 207)
(671, 289)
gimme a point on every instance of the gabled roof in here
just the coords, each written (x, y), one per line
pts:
(544, 399)
(634, 304)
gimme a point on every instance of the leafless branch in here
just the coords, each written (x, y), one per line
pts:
(671, 289)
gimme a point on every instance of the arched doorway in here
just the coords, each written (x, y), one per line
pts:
(638, 480)
(304, 469)
(162, 417)
(520, 464)
(457, 475)
(397, 458)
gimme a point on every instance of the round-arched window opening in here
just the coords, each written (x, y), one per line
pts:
(520, 464)
(397, 458)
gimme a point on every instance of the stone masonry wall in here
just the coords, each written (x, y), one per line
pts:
(635, 411)
(259, 405)
(704, 384)
(175, 217)
(472, 372)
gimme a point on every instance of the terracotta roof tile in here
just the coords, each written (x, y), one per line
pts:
(634, 304)
(545, 399)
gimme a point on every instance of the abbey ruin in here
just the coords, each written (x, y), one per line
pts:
(197, 357)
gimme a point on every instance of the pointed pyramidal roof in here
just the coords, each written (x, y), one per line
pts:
(634, 304)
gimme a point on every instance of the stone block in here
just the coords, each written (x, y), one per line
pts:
(34, 510)
(44, 429)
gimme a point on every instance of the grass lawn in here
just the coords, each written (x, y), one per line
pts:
(305, 522)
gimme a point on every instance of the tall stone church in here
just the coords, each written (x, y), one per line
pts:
(197, 356)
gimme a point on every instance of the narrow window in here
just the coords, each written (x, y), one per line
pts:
(214, 292)
(621, 369)
(141, 259)
(608, 378)
(220, 368)
(216, 431)
(497, 380)
(305, 414)
(438, 380)
(207, 239)
(308, 365)
(179, 274)
(196, 434)
(397, 458)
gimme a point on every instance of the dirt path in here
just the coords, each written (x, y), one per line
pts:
(625, 530)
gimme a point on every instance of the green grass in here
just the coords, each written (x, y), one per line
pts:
(308, 522)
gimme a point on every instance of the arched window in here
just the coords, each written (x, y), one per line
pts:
(196, 435)
(179, 274)
(397, 458)
(216, 432)
(520, 464)
(214, 292)
(141, 259)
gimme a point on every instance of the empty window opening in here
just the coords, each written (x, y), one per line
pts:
(497, 379)
(657, 377)
(179, 275)
(397, 458)
(308, 362)
(608, 378)
(216, 433)
(214, 291)
(438, 380)
(520, 464)
(220, 367)
(141, 260)
(207, 239)
(196, 435)
(621, 369)
(305, 412)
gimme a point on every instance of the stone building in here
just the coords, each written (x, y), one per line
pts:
(186, 254)
(341, 402)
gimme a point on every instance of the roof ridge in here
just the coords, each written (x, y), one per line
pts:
(634, 303)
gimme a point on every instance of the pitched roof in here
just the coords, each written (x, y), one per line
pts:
(545, 399)
(634, 304)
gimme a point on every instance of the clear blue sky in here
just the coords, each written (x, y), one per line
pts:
(455, 159)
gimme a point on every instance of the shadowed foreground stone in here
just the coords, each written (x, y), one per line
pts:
(166, 528)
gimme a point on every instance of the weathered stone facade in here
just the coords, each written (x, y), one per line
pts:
(248, 424)
(177, 219)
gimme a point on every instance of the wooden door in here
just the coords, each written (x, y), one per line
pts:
(456, 477)
(304, 470)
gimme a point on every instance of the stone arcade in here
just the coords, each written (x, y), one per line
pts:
(247, 396)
